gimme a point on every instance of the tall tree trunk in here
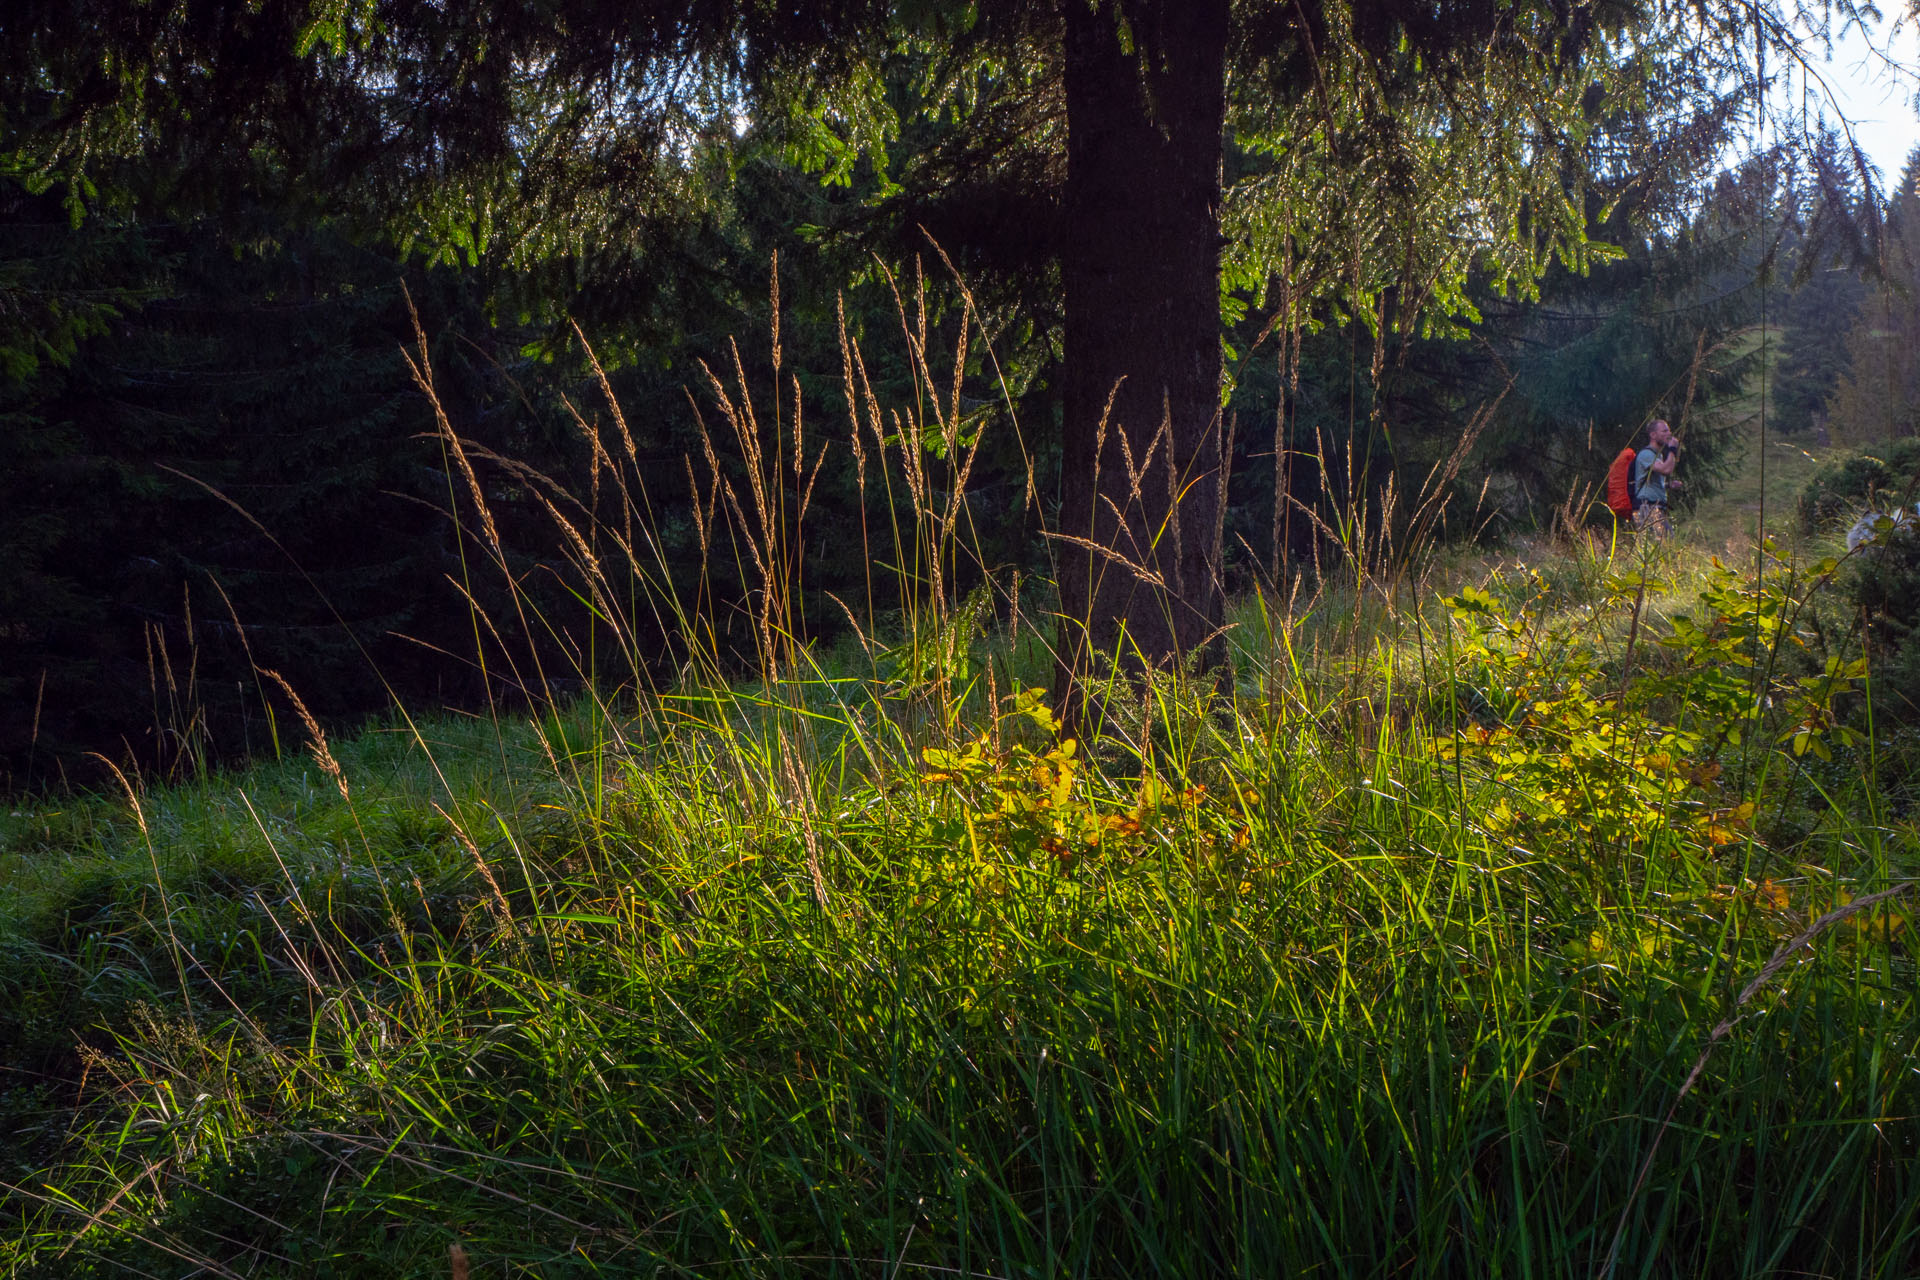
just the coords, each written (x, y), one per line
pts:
(1138, 553)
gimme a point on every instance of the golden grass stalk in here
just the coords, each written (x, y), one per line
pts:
(316, 736)
(503, 913)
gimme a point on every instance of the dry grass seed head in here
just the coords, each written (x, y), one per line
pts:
(800, 800)
(422, 371)
(503, 914)
(773, 290)
(959, 365)
(598, 459)
(699, 508)
(853, 401)
(126, 788)
(316, 737)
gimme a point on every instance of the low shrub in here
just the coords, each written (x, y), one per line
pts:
(1841, 489)
(1882, 580)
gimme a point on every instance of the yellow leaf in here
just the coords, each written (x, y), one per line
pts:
(1592, 947)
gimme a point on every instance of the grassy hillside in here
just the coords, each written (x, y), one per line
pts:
(1473, 926)
(1542, 914)
(1766, 473)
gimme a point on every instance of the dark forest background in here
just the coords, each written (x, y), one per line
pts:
(214, 457)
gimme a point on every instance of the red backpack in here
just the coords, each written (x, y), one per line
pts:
(1620, 483)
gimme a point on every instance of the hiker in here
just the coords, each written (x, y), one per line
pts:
(1653, 477)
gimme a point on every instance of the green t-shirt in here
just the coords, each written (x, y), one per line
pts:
(1648, 485)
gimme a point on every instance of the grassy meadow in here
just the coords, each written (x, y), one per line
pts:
(1533, 916)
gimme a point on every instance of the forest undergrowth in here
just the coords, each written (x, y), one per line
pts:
(1533, 920)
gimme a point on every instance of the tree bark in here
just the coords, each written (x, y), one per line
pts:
(1138, 541)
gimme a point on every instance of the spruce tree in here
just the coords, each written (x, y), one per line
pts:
(535, 120)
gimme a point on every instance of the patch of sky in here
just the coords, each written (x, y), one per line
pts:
(1868, 79)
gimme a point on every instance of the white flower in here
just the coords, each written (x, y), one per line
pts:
(1875, 525)
(1864, 530)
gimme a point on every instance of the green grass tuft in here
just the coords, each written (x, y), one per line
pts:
(1548, 919)
(1264, 983)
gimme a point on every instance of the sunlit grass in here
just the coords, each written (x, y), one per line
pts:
(1460, 922)
(1275, 987)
